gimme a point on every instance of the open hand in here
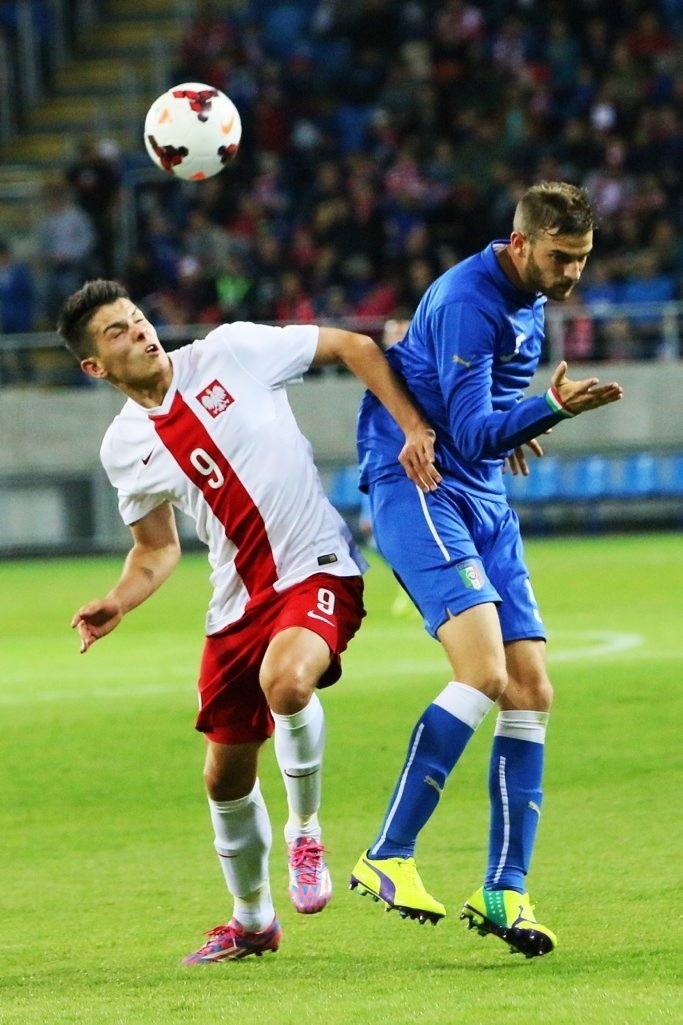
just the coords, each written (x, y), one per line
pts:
(581, 396)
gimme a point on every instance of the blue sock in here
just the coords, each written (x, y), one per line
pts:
(436, 744)
(515, 778)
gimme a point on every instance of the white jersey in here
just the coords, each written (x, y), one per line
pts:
(224, 448)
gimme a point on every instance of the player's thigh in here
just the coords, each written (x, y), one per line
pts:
(503, 556)
(427, 540)
(317, 619)
(474, 645)
(295, 660)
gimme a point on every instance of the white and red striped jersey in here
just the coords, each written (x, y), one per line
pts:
(224, 448)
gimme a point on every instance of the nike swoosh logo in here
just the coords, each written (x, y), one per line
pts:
(463, 362)
(314, 615)
(146, 459)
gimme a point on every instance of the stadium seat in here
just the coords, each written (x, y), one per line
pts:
(589, 479)
(542, 485)
(640, 475)
(670, 474)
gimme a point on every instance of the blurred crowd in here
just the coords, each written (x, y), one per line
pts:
(386, 139)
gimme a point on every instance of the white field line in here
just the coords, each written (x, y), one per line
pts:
(580, 646)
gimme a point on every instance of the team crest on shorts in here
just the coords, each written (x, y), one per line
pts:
(470, 574)
(215, 398)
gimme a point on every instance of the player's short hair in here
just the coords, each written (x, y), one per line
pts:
(80, 308)
(556, 207)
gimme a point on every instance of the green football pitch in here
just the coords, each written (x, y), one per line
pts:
(108, 875)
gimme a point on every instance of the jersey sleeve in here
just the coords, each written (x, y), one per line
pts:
(465, 344)
(271, 355)
(121, 464)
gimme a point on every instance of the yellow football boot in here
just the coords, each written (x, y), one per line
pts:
(396, 883)
(509, 915)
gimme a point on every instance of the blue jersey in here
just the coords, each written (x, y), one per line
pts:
(469, 354)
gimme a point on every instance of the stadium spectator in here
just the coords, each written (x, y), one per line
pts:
(646, 284)
(67, 240)
(437, 108)
(17, 293)
(471, 350)
(579, 341)
(209, 431)
(293, 304)
(233, 286)
(95, 181)
(17, 314)
(208, 35)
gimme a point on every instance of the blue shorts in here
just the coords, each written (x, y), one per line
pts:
(451, 551)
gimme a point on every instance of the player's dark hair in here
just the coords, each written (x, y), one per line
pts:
(80, 308)
(558, 207)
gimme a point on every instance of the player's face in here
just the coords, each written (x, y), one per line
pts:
(127, 353)
(553, 264)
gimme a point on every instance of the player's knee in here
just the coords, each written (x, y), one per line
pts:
(224, 786)
(230, 772)
(490, 677)
(543, 694)
(495, 685)
(288, 687)
(534, 693)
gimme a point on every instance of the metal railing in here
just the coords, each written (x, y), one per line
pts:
(618, 331)
(654, 332)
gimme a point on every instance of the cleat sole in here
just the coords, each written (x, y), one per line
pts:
(415, 914)
(528, 942)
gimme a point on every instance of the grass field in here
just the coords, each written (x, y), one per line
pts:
(107, 867)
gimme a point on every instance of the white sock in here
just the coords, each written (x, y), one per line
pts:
(243, 838)
(521, 725)
(466, 703)
(299, 741)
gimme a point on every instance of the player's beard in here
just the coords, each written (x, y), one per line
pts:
(538, 281)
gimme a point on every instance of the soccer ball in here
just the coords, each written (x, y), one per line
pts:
(192, 131)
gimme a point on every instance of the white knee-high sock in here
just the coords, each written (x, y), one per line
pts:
(243, 839)
(299, 741)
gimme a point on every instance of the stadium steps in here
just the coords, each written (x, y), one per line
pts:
(98, 115)
(101, 76)
(104, 90)
(123, 40)
(19, 198)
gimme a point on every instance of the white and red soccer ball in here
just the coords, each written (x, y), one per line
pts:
(192, 131)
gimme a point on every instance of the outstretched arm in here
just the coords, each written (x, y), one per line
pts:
(151, 560)
(366, 360)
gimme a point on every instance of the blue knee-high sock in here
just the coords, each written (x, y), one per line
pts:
(438, 740)
(515, 780)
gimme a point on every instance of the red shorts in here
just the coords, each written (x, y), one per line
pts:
(232, 706)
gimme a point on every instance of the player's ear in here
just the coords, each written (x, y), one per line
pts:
(518, 242)
(92, 368)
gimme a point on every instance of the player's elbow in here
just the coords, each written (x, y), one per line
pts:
(349, 348)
